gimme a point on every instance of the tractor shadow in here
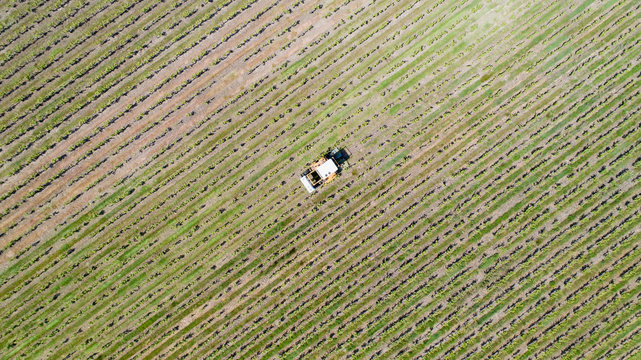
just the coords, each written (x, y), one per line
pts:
(340, 156)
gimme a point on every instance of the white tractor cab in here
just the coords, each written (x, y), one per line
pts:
(324, 170)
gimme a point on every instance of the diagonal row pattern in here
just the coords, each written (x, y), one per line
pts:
(150, 204)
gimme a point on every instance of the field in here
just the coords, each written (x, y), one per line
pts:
(150, 205)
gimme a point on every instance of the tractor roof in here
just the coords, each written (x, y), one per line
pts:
(326, 169)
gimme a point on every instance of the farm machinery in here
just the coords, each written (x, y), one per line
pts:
(324, 170)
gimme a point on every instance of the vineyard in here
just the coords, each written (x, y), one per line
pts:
(151, 207)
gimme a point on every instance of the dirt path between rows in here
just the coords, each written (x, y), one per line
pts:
(230, 80)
